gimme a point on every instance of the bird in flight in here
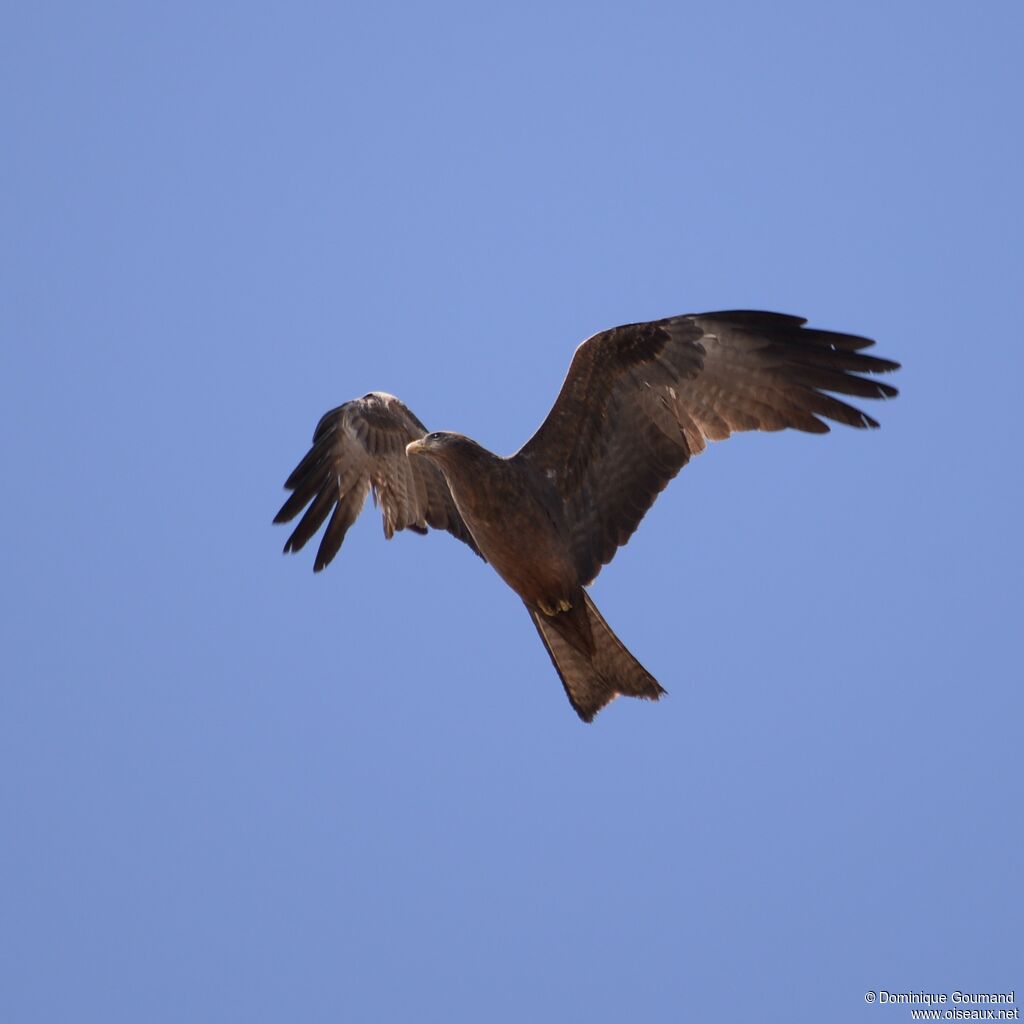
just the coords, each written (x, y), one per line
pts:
(637, 403)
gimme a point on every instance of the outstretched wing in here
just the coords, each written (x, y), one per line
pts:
(639, 400)
(359, 448)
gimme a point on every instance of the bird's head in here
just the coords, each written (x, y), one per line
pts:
(444, 447)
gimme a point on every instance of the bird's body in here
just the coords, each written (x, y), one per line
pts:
(533, 558)
(638, 401)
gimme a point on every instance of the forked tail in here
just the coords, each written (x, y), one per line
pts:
(590, 659)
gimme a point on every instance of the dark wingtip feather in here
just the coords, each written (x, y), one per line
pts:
(346, 511)
(880, 365)
(297, 501)
(284, 514)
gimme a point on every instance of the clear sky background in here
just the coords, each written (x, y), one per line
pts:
(233, 791)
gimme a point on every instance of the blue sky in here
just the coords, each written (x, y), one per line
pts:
(235, 791)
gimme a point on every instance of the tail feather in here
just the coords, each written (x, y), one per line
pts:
(596, 677)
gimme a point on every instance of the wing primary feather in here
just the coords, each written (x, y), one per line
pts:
(314, 518)
(345, 514)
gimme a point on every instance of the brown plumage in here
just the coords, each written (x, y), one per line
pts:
(637, 403)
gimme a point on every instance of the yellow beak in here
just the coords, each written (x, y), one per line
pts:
(414, 447)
